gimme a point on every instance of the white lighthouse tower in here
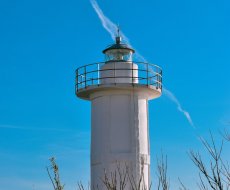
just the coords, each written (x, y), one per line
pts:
(119, 90)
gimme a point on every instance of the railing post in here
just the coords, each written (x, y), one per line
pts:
(157, 78)
(98, 74)
(132, 73)
(114, 73)
(147, 74)
(161, 80)
(85, 75)
(76, 80)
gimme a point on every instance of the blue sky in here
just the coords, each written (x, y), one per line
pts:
(43, 42)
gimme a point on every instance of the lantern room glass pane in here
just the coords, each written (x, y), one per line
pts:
(118, 55)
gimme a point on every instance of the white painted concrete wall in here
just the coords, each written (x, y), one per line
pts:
(119, 133)
(121, 72)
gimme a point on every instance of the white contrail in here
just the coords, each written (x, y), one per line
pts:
(173, 98)
(112, 29)
(107, 23)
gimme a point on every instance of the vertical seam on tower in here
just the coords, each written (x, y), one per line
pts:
(136, 129)
(109, 123)
(148, 156)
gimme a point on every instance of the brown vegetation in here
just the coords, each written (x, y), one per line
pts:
(214, 175)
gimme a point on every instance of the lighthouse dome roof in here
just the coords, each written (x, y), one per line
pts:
(118, 46)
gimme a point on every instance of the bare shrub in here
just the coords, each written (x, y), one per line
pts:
(123, 177)
(56, 178)
(214, 175)
(217, 174)
(162, 167)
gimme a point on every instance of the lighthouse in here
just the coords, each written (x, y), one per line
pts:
(119, 90)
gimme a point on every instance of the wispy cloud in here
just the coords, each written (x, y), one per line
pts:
(111, 28)
(106, 22)
(173, 98)
(32, 128)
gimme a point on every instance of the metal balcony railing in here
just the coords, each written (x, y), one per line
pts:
(92, 75)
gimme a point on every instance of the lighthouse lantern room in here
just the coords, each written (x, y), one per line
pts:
(118, 51)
